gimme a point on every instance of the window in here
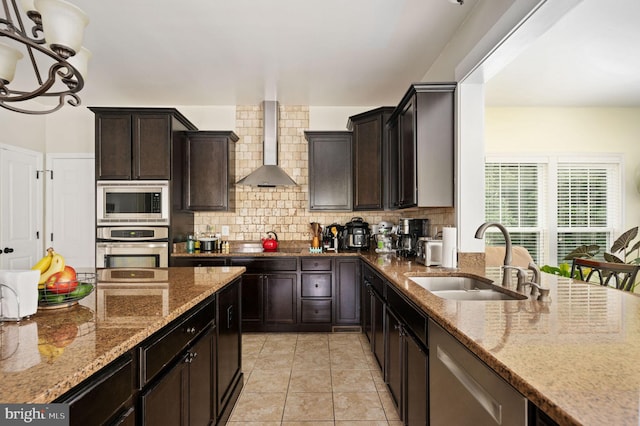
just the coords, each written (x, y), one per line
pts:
(551, 205)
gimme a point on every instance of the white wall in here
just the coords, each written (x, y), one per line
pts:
(25, 131)
(333, 118)
(572, 130)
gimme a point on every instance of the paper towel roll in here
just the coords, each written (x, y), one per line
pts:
(19, 293)
(449, 247)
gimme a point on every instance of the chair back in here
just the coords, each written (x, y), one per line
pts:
(619, 275)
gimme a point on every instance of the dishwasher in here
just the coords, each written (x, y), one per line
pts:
(463, 390)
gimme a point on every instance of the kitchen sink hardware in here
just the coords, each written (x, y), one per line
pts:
(409, 231)
(356, 234)
(144, 247)
(506, 276)
(126, 203)
(465, 288)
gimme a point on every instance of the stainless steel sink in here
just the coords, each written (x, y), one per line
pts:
(465, 288)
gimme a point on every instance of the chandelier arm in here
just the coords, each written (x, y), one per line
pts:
(34, 31)
(40, 112)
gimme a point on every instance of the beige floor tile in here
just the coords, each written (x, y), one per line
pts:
(310, 381)
(308, 406)
(362, 423)
(254, 423)
(312, 423)
(248, 362)
(311, 361)
(358, 406)
(278, 348)
(268, 381)
(259, 407)
(273, 361)
(387, 404)
(349, 362)
(352, 381)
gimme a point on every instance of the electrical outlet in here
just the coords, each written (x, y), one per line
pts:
(225, 230)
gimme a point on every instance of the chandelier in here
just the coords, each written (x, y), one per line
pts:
(55, 42)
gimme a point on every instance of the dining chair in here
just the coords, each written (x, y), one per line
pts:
(619, 275)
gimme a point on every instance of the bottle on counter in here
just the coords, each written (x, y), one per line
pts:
(191, 244)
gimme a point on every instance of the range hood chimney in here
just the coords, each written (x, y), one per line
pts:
(268, 175)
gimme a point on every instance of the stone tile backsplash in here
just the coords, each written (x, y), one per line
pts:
(285, 210)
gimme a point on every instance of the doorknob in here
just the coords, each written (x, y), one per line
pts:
(8, 250)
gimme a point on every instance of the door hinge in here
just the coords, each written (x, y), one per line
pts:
(37, 235)
(52, 236)
(43, 172)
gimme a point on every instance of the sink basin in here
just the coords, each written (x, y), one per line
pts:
(465, 288)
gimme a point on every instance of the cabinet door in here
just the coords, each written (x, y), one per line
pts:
(393, 372)
(113, 146)
(165, 402)
(367, 164)
(252, 302)
(366, 311)
(392, 163)
(377, 309)
(280, 297)
(151, 146)
(206, 173)
(228, 342)
(201, 381)
(416, 396)
(347, 273)
(407, 155)
(330, 171)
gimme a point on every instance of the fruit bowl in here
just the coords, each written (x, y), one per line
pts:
(54, 299)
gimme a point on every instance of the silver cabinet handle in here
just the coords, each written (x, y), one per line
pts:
(484, 398)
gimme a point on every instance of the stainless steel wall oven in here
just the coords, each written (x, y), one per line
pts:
(132, 247)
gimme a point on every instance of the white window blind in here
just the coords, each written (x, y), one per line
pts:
(514, 197)
(553, 204)
(588, 205)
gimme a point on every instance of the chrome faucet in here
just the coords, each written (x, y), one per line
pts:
(506, 275)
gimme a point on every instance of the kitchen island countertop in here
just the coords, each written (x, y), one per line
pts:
(47, 355)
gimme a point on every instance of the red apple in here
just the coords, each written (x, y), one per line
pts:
(62, 282)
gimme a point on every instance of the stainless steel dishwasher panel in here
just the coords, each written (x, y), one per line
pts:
(463, 390)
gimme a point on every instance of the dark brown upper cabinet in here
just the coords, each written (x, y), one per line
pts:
(209, 171)
(369, 169)
(136, 143)
(330, 170)
(421, 143)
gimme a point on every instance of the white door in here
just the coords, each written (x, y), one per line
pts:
(70, 208)
(20, 208)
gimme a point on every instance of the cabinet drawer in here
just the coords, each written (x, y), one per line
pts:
(162, 348)
(315, 264)
(316, 311)
(257, 265)
(316, 285)
(104, 395)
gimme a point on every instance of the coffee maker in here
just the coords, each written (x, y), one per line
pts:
(409, 232)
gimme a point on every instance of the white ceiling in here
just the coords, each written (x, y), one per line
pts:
(591, 57)
(316, 52)
(339, 53)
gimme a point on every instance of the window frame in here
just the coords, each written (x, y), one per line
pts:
(548, 193)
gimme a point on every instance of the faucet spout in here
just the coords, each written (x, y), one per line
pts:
(506, 276)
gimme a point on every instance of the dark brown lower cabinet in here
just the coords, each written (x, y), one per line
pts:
(252, 312)
(347, 278)
(228, 346)
(416, 389)
(394, 362)
(280, 296)
(183, 395)
(106, 398)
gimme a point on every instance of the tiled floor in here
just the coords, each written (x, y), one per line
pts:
(311, 379)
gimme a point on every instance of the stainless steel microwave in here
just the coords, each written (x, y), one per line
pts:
(132, 203)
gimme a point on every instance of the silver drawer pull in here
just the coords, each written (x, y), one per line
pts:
(474, 388)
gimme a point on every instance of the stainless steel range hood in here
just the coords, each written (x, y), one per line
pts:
(268, 175)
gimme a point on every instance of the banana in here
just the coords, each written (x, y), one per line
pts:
(44, 263)
(57, 265)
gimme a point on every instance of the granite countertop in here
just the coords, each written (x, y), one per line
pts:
(577, 357)
(45, 356)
